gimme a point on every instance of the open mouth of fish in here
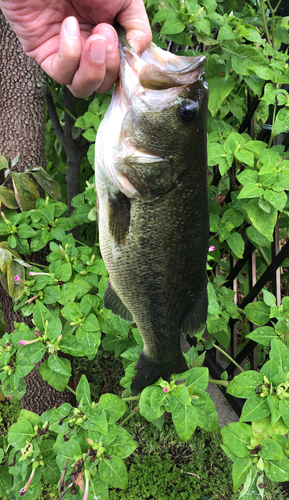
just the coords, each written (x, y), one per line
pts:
(155, 80)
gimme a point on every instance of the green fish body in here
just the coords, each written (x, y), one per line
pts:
(151, 181)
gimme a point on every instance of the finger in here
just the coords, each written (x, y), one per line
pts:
(92, 68)
(134, 15)
(112, 55)
(63, 65)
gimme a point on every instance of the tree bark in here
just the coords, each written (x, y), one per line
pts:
(22, 131)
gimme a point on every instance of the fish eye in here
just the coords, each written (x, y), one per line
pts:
(187, 110)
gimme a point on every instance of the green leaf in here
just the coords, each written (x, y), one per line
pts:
(57, 365)
(83, 390)
(98, 489)
(15, 288)
(64, 272)
(7, 197)
(262, 335)
(246, 157)
(237, 244)
(258, 313)
(236, 436)
(284, 410)
(270, 450)
(91, 324)
(251, 190)
(219, 90)
(123, 445)
(277, 470)
(198, 378)
(88, 341)
(256, 237)
(19, 433)
(26, 192)
(182, 394)
(207, 413)
(67, 451)
(241, 469)
(23, 367)
(113, 472)
(282, 122)
(262, 221)
(273, 372)
(6, 479)
(185, 420)
(280, 353)
(113, 406)
(244, 384)
(173, 24)
(144, 404)
(278, 200)
(254, 408)
(250, 490)
(56, 380)
(47, 183)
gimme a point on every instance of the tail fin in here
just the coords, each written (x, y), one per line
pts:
(149, 371)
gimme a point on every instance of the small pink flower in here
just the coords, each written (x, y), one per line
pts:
(59, 338)
(212, 248)
(16, 278)
(24, 490)
(166, 389)
(26, 342)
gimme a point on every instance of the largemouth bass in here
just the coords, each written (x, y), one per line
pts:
(151, 182)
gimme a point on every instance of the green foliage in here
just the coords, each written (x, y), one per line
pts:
(246, 62)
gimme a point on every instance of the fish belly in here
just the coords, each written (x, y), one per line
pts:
(156, 259)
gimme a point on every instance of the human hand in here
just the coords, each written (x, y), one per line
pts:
(74, 41)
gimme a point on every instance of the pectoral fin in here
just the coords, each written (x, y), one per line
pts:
(150, 176)
(119, 216)
(193, 321)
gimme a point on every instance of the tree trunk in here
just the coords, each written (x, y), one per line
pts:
(22, 131)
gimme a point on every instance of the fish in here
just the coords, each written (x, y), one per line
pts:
(152, 203)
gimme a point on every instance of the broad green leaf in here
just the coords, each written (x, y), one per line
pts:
(262, 335)
(56, 380)
(251, 190)
(26, 192)
(262, 221)
(199, 378)
(246, 157)
(57, 365)
(185, 420)
(284, 410)
(269, 298)
(273, 372)
(88, 341)
(123, 445)
(236, 436)
(15, 288)
(219, 90)
(207, 413)
(270, 450)
(91, 324)
(280, 353)
(47, 183)
(6, 479)
(256, 237)
(282, 122)
(23, 367)
(258, 313)
(83, 390)
(158, 398)
(241, 469)
(50, 471)
(237, 244)
(173, 24)
(277, 470)
(113, 406)
(182, 394)
(67, 450)
(250, 490)
(244, 384)
(277, 199)
(254, 408)
(19, 433)
(113, 472)
(215, 153)
(98, 489)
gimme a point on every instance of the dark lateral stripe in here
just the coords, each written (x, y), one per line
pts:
(119, 217)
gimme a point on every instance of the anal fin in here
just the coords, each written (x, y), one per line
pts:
(112, 301)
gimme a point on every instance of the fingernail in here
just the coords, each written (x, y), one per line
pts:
(71, 25)
(111, 39)
(98, 51)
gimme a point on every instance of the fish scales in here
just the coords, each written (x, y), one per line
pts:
(151, 185)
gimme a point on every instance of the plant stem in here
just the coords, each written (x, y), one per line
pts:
(52, 92)
(273, 123)
(83, 244)
(263, 255)
(229, 357)
(65, 491)
(224, 383)
(36, 264)
(71, 390)
(132, 414)
(265, 22)
(131, 398)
